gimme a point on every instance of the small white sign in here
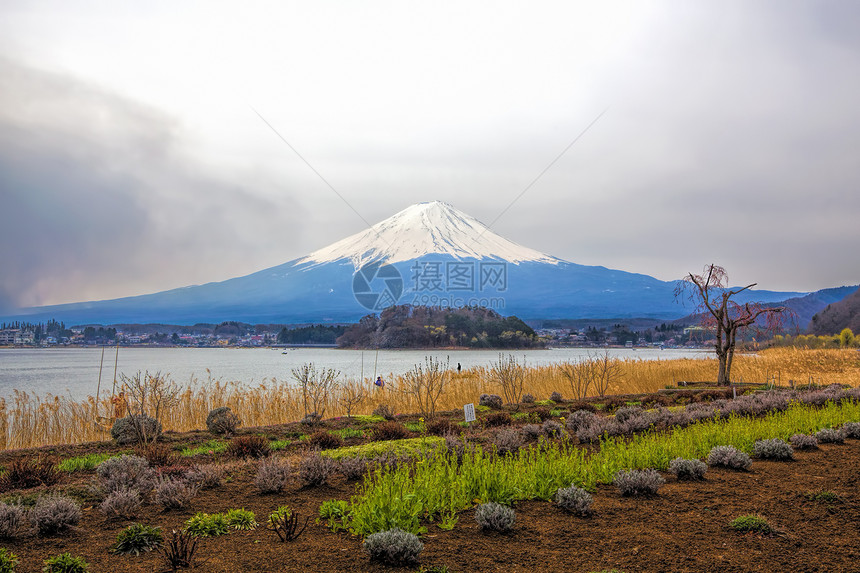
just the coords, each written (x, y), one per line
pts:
(469, 411)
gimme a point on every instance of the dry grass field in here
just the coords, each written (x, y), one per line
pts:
(32, 421)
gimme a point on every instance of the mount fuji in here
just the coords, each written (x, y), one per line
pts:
(429, 253)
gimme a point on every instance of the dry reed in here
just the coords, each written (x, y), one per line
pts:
(31, 421)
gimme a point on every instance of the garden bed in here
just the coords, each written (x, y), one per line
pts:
(810, 502)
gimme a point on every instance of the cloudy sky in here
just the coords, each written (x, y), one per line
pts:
(132, 158)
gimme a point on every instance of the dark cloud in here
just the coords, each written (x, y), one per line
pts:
(99, 199)
(731, 137)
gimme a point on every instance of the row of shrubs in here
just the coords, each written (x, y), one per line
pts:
(124, 483)
(589, 427)
(399, 548)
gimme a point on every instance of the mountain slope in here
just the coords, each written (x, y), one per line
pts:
(837, 316)
(804, 308)
(428, 254)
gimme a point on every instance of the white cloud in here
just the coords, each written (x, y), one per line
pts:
(731, 135)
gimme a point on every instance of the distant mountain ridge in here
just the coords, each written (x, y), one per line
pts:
(837, 316)
(806, 307)
(427, 254)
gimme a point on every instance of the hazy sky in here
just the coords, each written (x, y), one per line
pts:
(132, 160)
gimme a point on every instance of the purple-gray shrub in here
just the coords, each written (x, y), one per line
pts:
(729, 457)
(121, 504)
(575, 500)
(774, 449)
(495, 516)
(638, 482)
(393, 547)
(685, 469)
(804, 442)
(54, 513)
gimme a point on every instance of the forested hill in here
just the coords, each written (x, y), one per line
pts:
(839, 315)
(407, 326)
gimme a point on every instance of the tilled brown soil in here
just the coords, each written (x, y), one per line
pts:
(683, 528)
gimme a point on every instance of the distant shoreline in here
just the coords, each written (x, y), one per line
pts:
(335, 347)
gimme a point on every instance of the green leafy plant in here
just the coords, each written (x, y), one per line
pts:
(747, 523)
(401, 496)
(66, 563)
(86, 462)
(207, 525)
(448, 521)
(136, 538)
(282, 511)
(241, 519)
(276, 445)
(211, 448)
(336, 512)
(347, 433)
(416, 426)
(8, 561)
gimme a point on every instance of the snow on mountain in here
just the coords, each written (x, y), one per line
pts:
(426, 228)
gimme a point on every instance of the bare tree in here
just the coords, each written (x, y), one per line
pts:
(511, 376)
(148, 396)
(719, 312)
(605, 370)
(579, 375)
(426, 383)
(316, 386)
(350, 395)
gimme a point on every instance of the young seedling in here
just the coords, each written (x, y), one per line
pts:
(286, 526)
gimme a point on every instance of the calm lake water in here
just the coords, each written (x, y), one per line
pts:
(75, 371)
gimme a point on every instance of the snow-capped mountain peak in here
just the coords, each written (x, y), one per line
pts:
(427, 228)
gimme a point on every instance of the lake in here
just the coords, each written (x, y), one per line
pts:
(75, 371)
